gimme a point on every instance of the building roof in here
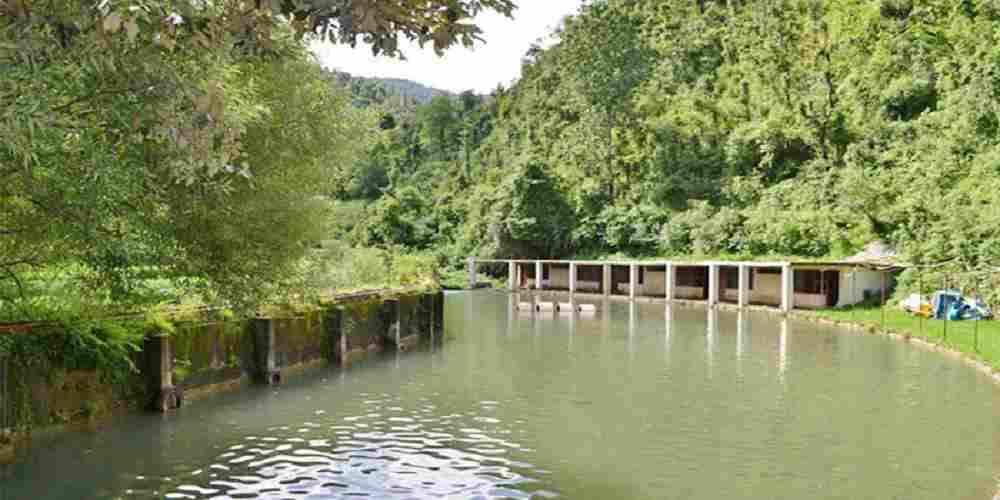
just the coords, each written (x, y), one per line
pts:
(875, 255)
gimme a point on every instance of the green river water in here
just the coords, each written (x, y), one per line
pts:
(637, 401)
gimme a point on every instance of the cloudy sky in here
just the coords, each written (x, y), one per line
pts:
(496, 61)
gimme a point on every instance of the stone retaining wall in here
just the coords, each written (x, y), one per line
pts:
(203, 356)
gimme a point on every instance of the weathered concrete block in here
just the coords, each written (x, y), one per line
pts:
(410, 321)
(364, 325)
(158, 372)
(265, 360)
(208, 355)
(298, 341)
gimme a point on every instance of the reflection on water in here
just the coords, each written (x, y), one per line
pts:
(387, 452)
(783, 349)
(633, 401)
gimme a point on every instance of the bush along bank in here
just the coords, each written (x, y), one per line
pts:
(53, 375)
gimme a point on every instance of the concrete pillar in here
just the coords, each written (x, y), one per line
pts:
(787, 288)
(265, 359)
(333, 323)
(159, 374)
(713, 284)
(6, 418)
(572, 277)
(633, 280)
(472, 273)
(538, 275)
(512, 281)
(606, 279)
(744, 285)
(671, 280)
(391, 309)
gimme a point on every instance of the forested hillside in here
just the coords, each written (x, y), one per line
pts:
(408, 88)
(681, 127)
(369, 91)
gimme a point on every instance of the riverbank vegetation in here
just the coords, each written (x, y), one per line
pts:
(649, 128)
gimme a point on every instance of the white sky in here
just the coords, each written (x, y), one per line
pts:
(496, 61)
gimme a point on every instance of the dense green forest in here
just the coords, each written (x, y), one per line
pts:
(675, 128)
(159, 151)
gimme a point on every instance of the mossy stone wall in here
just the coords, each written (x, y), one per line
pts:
(206, 351)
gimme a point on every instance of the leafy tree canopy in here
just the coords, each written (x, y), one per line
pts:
(143, 141)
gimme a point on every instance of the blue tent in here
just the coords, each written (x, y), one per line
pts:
(942, 301)
(950, 304)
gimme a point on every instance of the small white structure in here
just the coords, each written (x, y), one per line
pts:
(781, 284)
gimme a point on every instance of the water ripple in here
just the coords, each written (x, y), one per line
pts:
(370, 455)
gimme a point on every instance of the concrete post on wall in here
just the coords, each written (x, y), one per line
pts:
(633, 280)
(787, 288)
(572, 277)
(743, 299)
(472, 273)
(265, 360)
(438, 321)
(336, 343)
(606, 279)
(670, 280)
(159, 374)
(512, 275)
(391, 310)
(713, 284)
(538, 275)
(6, 419)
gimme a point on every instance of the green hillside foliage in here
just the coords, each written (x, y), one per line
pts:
(741, 127)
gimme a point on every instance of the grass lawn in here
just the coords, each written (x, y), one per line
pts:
(977, 339)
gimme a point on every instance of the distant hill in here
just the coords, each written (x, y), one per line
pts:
(396, 91)
(418, 91)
